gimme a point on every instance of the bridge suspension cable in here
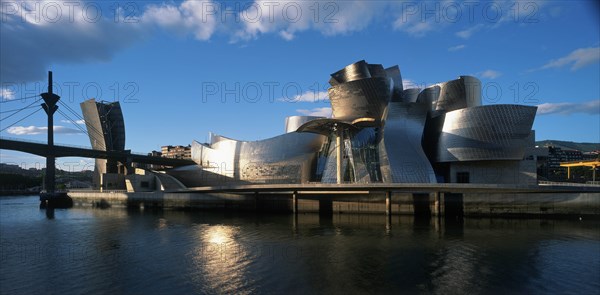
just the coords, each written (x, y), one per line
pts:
(21, 119)
(72, 121)
(10, 111)
(96, 131)
(18, 99)
(77, 125)
(19, 110)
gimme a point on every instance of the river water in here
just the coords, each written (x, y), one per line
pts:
(88, 251)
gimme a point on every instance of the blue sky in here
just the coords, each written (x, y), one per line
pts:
(182, 69)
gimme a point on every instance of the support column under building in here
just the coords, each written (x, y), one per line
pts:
(438, 204)
(338, 150)
(295, 202)
(325, 206)
(388, 203)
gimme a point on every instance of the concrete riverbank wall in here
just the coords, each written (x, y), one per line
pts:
(471, 204)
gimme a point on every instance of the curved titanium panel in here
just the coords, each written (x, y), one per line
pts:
(410, 95)
(292, 123)
(219, 160)
(324, 126)
(93, 123)
(333, 81)
(403, 160)
(216, 140)
(492, 132)
(376, 70)
(366, 98)
(105, 125)
(429, 96)
(356, 71)
(288, 158)
(464, 92)
(394, 73)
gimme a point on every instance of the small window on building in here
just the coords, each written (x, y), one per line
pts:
(462, 177)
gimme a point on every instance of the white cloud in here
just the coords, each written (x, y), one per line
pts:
(506, 12)
(466, 34)
(521, 12)
(347, 16)
(309, 96)
(408, 83)
(287, 18)
(196, 17)
(81, 122)
(457, 47)
(577, 59)
(85, 32)
(33, 130)
(420, 18)
(7, 94)
(34, 36)
(489, 74)
(416, 29)
(90, 37)
(567, 108)
(319, 112)
(413, 22)
(287, 35)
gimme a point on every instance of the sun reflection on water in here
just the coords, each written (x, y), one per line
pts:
(219, 234)
(220, 260)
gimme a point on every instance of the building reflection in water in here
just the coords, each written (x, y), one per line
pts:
(164, 252)
(253, 253)
(455, 267)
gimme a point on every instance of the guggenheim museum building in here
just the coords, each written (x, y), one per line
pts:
(380, 132)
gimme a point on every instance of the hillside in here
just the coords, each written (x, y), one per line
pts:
(569, 145)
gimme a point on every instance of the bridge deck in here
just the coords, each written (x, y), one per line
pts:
(41, 149)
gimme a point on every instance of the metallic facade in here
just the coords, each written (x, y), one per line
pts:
(287, 158)
(379, 132)
(361, 99)
(106, 130)
(464, 92)
(494, 132)
(404, 159)
(105, 124)
(294, 122)
(361, 91)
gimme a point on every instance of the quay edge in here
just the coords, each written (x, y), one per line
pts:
(577, 204)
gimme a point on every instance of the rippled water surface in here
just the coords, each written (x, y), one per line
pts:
(85, 250)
